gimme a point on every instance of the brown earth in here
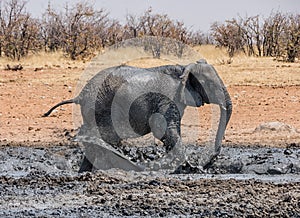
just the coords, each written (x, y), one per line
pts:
(25, 95)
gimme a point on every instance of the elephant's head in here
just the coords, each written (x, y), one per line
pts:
(203, 85)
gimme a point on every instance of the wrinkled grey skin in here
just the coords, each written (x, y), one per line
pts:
(126, 102)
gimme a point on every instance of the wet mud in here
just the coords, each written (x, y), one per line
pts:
(43, 181)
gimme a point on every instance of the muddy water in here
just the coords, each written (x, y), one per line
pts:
(43, 181)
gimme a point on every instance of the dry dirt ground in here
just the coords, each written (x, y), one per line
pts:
(263, 91)
(259, 96)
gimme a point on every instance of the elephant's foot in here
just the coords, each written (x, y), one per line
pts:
(86, 165)
(207, 158)
(171, 160)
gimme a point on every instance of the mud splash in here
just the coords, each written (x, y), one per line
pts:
(43, 181)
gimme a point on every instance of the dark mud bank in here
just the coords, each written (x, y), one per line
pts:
(18, 161)
(43, 181)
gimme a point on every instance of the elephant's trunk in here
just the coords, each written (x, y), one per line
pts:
(224, 119)
(209, 154)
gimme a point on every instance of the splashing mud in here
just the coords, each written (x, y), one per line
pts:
(108, 101)
(43, 181)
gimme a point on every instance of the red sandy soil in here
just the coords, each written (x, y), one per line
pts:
(25, 95)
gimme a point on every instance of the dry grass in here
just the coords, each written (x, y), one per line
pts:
(212, 54)
(43, 60)
(240, 70)
(243, 70)
(149, 62)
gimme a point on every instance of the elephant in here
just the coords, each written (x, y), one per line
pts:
(127, 102)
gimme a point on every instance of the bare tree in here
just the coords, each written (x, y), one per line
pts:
(292, 37)
(19, 32)
(180, 32)
(252, 25)
(83, 29)
(250, 32)
(272, 32)
(246, 34)
(276, 36)
(228, 35)
(51, 29)
(80, 30)
(199, 38)
(112, 33)
(133, 25)
(153, 24)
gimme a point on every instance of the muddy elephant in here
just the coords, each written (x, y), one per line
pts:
(127, 102)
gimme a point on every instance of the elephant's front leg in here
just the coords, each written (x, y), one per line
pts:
(165, 123)
(167, 129)
(172, 138)
(174, 147)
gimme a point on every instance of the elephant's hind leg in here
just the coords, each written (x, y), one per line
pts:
(89, 158)
(86, 165)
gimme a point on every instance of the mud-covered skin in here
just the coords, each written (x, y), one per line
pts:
(128, 102)
(43, 181)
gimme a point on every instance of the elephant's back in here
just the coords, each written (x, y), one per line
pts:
(126, 96)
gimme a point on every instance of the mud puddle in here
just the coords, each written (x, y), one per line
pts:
(43, 181)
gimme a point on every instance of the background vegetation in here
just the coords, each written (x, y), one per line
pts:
(80, 31)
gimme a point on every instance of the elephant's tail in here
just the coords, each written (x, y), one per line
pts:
(70, 101)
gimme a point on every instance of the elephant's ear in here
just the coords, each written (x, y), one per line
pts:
(203, 78)
(188, 92)
(189, 69)
(184, 83)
